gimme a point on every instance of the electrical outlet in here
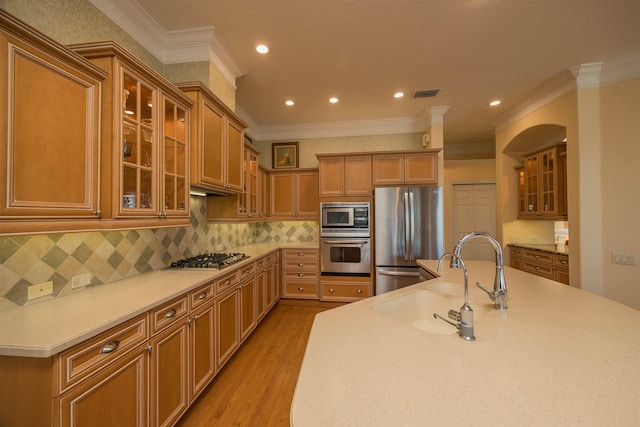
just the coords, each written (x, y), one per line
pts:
(80, 280)
(40, 290)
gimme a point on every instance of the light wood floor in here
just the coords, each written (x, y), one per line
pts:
(256, 386)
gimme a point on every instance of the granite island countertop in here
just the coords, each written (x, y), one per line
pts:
(45, 328)
(557, 356)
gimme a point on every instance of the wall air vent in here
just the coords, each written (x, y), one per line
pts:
(430, 93)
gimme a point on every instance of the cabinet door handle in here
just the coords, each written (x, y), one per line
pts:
(227, 282)
(169, 314)
(110, 347)
(301, 275)
(332, 290)
(300, 253)
(359, 291)
(537, 268)
(98, 212)
(301, 289)
(202, 295)
(301, 264)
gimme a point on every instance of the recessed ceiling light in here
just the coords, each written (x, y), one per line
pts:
(289, 102)
(262, 49)
(398, 94)
(495, 103)
(333, 100)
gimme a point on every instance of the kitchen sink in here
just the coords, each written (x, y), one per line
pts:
(454, 290)
(416, 308)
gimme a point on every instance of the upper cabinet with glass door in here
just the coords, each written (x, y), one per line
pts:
(145, 163)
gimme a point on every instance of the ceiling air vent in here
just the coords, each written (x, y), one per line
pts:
(426, 93)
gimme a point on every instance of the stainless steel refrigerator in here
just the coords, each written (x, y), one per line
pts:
(408, 227)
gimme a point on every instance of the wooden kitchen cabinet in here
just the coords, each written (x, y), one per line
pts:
(202, 344)
(227, 325)
(405, 168)
(49, 122)
(345, 289)
(169, 362)
(294, 194)
(145, 153)
(554, 266)
(267, 283)
(545, 184)
(300, 273)
(348, 175)
(263, 192)
(240, 206)
(217, 142)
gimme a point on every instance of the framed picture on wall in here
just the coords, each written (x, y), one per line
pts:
(285, 155)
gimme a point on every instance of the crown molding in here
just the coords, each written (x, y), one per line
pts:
(172, 47)
(620, 69)
(334, 129)
(587, 75)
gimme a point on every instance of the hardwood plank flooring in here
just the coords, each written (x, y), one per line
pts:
(256, 386)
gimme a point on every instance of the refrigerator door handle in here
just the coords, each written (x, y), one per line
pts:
(407, 231)
(413, 225)
(397, 273)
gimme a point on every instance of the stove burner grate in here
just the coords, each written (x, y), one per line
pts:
(215, 260)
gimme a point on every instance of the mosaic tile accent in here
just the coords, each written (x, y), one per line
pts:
(115, 255)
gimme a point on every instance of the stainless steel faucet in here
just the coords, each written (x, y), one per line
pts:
(464, 317)
(499, 293)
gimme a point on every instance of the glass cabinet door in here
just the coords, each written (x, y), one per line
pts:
(138, 186)
(176, 193)
(531, 174)
(548, 172)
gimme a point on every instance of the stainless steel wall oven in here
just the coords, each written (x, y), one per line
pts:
(345, 239)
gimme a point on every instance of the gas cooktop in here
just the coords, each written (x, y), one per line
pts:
(212, 261)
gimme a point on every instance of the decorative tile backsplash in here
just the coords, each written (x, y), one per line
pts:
(114, 255)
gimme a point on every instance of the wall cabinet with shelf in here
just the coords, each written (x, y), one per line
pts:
(545, 184)
(145, 161)
(294, 194)
(405, 168)
(50, 122)
(217, 142)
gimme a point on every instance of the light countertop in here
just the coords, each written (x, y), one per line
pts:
(46, 328)
(557, 356)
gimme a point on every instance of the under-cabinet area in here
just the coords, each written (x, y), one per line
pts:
(549, 261)
(178, 329)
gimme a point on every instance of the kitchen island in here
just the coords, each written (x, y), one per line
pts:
(557, 356)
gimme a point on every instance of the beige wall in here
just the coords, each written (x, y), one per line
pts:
(603, 136)
(620, 112)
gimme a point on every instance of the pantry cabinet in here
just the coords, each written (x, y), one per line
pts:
(145, 154)
(294, 194)
(217, 142)
(405, 168)
(49, 122)
(545, 184)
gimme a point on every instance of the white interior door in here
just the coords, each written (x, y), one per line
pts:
(474, 209)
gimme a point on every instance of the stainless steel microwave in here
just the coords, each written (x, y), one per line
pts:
(348, 219)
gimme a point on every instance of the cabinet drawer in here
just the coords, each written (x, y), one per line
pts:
(538, 269)
(227, 281)
(299, 253)
(344, 291)
(92, 355)
(300, 274)
(199, 296)
(300, 289)
(300, 265)
(516, 252)
(538, 256)
(247, 271)
(168, 313)
(561, 261)
(262, 263)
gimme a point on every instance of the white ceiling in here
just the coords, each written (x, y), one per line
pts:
(362, 51)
